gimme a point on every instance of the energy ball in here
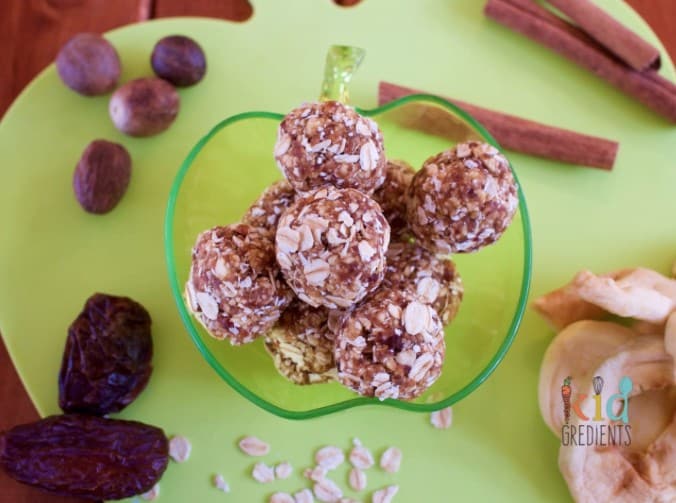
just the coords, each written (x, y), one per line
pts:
(269, 206)
(391, 196)
(328, 143)
(89, 64)
(462, 199)
(390, 346)
(301, 344)
(429, 278)
(235, 289)
(331, 246)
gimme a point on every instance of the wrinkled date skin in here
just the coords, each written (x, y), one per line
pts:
(107, 359)
(85, 456)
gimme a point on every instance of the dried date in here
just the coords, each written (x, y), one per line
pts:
(107, 359)
(85, 456)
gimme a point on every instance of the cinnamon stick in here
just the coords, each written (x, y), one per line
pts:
(610, 33)
(526, 136)
(539, 24)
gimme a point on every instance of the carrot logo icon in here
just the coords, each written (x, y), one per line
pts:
(566, 391)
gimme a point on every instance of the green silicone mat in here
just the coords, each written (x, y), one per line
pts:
(53, 255)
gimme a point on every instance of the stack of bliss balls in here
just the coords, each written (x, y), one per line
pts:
(343, 267)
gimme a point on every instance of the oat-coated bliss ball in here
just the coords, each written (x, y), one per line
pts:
(430, 278)
(331, 246)
(329, 143)
(462, 199)
(301, 344)
(390, 346)
(235, 288)
(391, 196)
(269, 206)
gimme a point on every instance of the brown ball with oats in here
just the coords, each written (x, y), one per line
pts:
(429, 278)
(462, 199)
(390, 346)
(331, 246)
(235, 288)
(301, 344)
(329, 143)
(269, 206)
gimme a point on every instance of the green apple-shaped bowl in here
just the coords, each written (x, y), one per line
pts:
(229, 168)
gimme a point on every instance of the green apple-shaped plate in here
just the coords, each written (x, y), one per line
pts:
(227, 170)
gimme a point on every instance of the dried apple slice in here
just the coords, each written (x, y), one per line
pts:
(647, 278)
(637, 293)
(563, 306)
(670, 337)
(612, 473)
(576, 352)
(642, 327)
(632, 296)
(651, 413)
(658, 466)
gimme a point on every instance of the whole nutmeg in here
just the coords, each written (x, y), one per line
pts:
(88, 64)
(102, 176)
(179, 59)
(144, 107)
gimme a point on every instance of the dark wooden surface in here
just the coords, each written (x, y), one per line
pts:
(31, 32)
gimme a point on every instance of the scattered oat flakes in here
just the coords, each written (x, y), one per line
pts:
(220, 483)
(357, 479)
(153, 494)
(327, 491)
(254, 446)
(283, 470)
(263, 473)
(385, 495)
(329, 457)
(442, 419)
(361, 457)
(179, 448)
(304, 496)
(281, 498)
(315, 474)
(390, 461)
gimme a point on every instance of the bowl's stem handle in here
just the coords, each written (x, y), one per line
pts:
(341, 63)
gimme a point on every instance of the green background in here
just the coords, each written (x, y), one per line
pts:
(53, 255)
